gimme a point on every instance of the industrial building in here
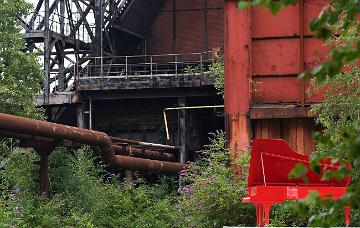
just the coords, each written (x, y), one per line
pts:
(114, 66)
(117, 66)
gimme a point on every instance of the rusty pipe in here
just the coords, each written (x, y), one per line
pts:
(145, 144)
(150, 154)
(13, 135)
(132, 163)
(55, 131)
(58, 131)
(22, 125)
(29, 140)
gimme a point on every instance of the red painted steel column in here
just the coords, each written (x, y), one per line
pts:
(237, 78)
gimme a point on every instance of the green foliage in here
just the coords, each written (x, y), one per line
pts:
(83, 194)
(350, 149)
(217, 73)
(274, 5)
(339, 115)
(213, 196)
(340, 110)
(20, 73)
(192, 70)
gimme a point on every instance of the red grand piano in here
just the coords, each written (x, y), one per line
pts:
(268, 182)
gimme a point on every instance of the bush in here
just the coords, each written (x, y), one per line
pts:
(213, 196)
(83, 194)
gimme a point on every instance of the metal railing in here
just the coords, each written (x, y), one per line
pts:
(146, 65)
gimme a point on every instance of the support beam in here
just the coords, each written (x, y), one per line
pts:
(302, 51)
(237, 78)
(143, 153)
(97, 47)
(44, 149)
(87, 26)
(60, 56)
(61, 48)
(182, 130)
(90, 113)
(79, 22)
(35, 14)
(280, 112)
(47, 52)
(44, 174)
(98, 29)
(48, 10)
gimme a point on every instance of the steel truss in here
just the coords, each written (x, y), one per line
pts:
(66, 33)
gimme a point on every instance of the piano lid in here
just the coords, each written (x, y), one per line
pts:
(272, 160)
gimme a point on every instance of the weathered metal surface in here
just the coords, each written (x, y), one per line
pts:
(25, 137)
(280, 112)
(146, 144)
(182, 130)
(266, 55)
(47, 50)
(282, 51)
(275, 90)
(207, 91)
(38, 37)
(237, 80)
(301, 50)
(21, 125)
(41, 144)
(145, 82)
(275, 26)
(152, 166)
(143, 153)
(44, 174)
(57, 98)
(280, 57)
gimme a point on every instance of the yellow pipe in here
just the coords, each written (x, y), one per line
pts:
(184, 108)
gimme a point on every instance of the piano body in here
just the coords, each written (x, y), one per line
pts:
(268, 182)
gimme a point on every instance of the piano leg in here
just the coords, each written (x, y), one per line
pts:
(259, 215)
(347, 216)
(267, 208)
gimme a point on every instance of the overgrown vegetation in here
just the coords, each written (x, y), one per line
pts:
(83, 193)
(193, 70)
(217, 73)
